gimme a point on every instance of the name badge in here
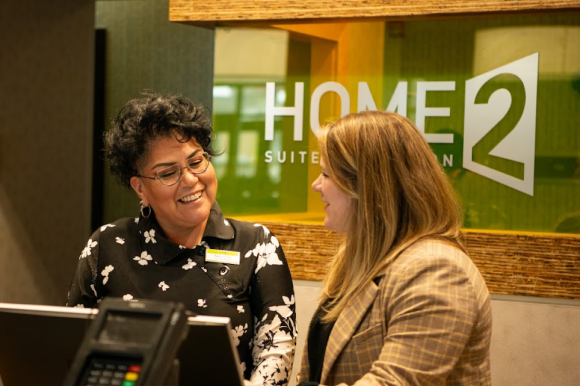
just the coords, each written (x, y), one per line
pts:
(225, 257)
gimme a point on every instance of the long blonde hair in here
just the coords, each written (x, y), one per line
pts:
(400, 192)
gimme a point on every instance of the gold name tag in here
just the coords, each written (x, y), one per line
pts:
(225, 257)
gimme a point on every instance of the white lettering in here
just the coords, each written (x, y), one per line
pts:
(398, 102)
(480, 118)
(448, 160)
(283, 159)
(297, 111)
(281, 156)
(314, 157)
(269, 156)
(423, 111)
(301, 157)
(365, 98)
(317, 96)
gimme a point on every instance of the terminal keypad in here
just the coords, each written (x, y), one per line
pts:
(111, 372)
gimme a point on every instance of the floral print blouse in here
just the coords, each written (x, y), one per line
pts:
(131, 259)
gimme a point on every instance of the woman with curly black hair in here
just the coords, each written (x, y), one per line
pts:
(181, 247)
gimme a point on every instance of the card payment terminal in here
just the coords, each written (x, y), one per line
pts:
(130, 344)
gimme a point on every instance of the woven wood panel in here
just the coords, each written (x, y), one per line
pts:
(511, 263)
(319, 10)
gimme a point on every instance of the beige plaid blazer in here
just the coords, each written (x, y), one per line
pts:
(427, 322)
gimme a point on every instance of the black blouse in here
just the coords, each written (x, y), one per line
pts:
(132, 259)
(318, 335)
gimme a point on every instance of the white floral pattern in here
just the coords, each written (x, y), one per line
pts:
(163, 286)
(273, 349)
(284, 311)
(237, 332)
(150, 236)
(133, 260)
(144, 259)
(105, 272)
(267, 254)
(107, 226)
(87, 251)
(190, 264)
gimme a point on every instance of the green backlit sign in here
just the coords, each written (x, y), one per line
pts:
(497, 100)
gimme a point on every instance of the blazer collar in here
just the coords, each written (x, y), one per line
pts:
(346, 325)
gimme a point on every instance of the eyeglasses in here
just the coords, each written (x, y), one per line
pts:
(171, 175)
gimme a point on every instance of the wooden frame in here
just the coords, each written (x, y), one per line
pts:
(280, 11)
(542, 265)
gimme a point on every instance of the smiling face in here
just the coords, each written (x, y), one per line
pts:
(339, 206)
(181, 209)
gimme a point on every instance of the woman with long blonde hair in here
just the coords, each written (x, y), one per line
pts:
(402, 303)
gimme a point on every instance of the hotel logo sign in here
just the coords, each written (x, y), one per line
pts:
(485, 110)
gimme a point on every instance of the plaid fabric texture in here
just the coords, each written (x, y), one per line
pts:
(428, 322)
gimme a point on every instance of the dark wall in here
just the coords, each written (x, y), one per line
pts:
(46, 100)
(143, 50)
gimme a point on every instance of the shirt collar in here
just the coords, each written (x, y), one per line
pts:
(153, 240)
(217, 225)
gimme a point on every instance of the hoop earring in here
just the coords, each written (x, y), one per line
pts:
(143, 208)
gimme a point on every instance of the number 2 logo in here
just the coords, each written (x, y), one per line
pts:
(500, 124)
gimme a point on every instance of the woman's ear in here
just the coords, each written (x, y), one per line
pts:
(137, 185)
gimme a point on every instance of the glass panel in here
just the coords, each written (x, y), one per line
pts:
(497, 98)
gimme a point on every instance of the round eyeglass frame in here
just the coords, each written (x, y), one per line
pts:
(204, 154)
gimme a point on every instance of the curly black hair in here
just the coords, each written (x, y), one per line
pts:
(143, 120)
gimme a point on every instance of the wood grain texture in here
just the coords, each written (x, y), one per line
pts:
(511, 263)
(241, 11)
